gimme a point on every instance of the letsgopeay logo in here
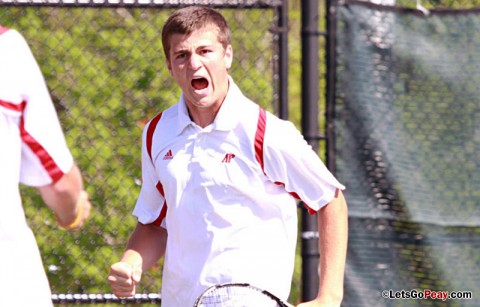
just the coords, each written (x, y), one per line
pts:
(426, 294)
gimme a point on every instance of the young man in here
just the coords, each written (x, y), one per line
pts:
(220, 181)
(34, 153)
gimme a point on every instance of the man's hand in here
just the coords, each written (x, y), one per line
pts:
(83, 208)
(123, 279)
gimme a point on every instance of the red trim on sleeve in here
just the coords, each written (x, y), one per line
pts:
(46, 160)
(310, 210)
(295, 195)
(149, 142)
(291, 193)
(150, 131)
(259, 137)
(163, 212)
(13, 106)
(3, 30)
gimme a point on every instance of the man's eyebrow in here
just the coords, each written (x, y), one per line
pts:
(186, 50)
(205, 46)
(182, 50)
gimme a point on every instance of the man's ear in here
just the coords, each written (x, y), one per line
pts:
(169, 67)
(228, 56)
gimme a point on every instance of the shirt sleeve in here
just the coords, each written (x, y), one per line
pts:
(45, 155)
(290, 160)
(151, 202)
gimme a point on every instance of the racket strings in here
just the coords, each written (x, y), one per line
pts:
(236, 296)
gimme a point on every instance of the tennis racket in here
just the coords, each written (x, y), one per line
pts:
(238, 295)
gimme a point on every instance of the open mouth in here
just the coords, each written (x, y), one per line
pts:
(199, 83)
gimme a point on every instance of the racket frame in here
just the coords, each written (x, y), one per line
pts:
(279, 301)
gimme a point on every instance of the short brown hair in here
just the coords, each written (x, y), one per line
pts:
(189, 19)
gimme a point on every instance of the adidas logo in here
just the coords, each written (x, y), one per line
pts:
(168, 155)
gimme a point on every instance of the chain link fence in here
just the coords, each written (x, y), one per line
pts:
(408, 138)
(104, 65)
(406, 132)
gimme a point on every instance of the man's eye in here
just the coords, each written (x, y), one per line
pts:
(181, 55)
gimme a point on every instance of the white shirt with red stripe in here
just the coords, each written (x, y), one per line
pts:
(225, 194)
(34, 153)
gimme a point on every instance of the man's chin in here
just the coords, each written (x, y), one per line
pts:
(201, 102)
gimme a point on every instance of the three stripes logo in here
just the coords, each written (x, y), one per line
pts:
(168, 155)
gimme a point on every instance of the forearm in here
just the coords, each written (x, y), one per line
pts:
(64, 196)
(146, 246)
(333, 237)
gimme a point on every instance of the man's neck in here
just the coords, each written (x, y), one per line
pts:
(203, 117)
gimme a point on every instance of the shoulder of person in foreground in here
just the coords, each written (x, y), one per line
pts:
(64, 192)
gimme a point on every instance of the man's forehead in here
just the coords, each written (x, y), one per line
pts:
(203, 36)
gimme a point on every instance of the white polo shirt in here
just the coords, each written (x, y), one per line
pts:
(33, 152)
(224, 194)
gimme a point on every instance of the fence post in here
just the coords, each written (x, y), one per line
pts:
(330, 6)
(310, 97)
(282, 13)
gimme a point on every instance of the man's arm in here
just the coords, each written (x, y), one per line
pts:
(67, 199)
(146, 246)
(333, 237)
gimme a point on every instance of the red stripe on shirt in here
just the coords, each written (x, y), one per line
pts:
(149, 142)
(3, 30)
(46, 160)
(150, 131)
(295, 195)
(163, 212)
(259, 136)
(259, 139)
(13, 106)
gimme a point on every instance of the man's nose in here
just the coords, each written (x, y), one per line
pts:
(194, 61)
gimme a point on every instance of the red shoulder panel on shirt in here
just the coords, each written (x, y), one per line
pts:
(150, 131)
(149, 142)
(259, 136)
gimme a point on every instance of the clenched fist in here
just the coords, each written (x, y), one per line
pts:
(123, 278)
